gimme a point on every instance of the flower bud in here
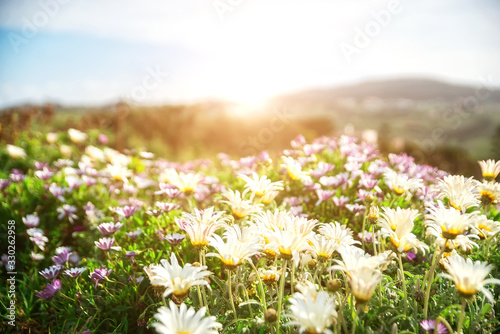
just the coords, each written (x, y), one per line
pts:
(333, 285)
(270, 315)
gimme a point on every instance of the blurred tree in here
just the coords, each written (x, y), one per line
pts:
(495, 144)
(384, 137)
(452, 159)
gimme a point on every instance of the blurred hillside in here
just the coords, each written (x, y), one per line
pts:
(444, 125)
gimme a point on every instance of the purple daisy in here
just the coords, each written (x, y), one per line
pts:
(51, 272)
(50, 290)
(67, 211)
(134, 234)
(44, 174)
(31, 221)
(62, 257)
(429, 325)
(106, 244)
(166, 207)
(109, 228)
(126, 211)
(175, 239)
(74, 272)
(98, 275)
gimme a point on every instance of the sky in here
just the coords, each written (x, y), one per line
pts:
(182, 51)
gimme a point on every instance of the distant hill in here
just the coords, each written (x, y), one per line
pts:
(412, 89)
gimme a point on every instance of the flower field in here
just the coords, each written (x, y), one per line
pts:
(328, 236)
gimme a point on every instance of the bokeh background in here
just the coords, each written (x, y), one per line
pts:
(188, 79)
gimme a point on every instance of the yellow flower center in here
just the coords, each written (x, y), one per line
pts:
(188, 190)
(293, 175)
(489, 176)
(199, 243)
(451, 233)
(399, 190)
(285, 253)
(270, 253)
(269, 278)
(453, 205)
(487, 197)
(323, 256)
(238, 214)
(266, 201)
(467, 293)
(311, 331)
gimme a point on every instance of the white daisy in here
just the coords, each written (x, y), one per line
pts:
(240, 207)
(469, 277)
(16, 152)
(490, 169)
(176, 320)
(461, 193)
(401, 183)
(341, 234)
(314, 313)
(448, 222)
(260, 186)
(175, 279)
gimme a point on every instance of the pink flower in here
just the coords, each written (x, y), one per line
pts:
(98, 275)
(50, 290)
(67, 211)
(166, 207)
(74, 272)
(134, 234)
(109, 228)
(175, 239)
(17, 175)
(106, 244)
(126, 211)
(169, 190)
(334, 181)
(323, 195)
(411, 256)
(103, 139)
(340, 201)
(355, 208)
(62, 257)
(51, 272)
(44, 174)
(429, 325)
(322, 169)
(31, 221)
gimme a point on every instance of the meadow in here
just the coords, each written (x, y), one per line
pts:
(327, 236)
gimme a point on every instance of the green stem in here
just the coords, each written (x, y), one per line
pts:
(462, 316)
(280, 295)
(392, 201)
(340, 319)
(355, 320)
(441, 320)
(430, 279)
(488, 247)
(200, 298)
(363, 229)
(404, 283)
(373, 240)
(291, 279)
(245, 293)
(203, 293)
(261, 287)
(230, 292)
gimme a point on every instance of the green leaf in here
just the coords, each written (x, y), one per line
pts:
(121, 308)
